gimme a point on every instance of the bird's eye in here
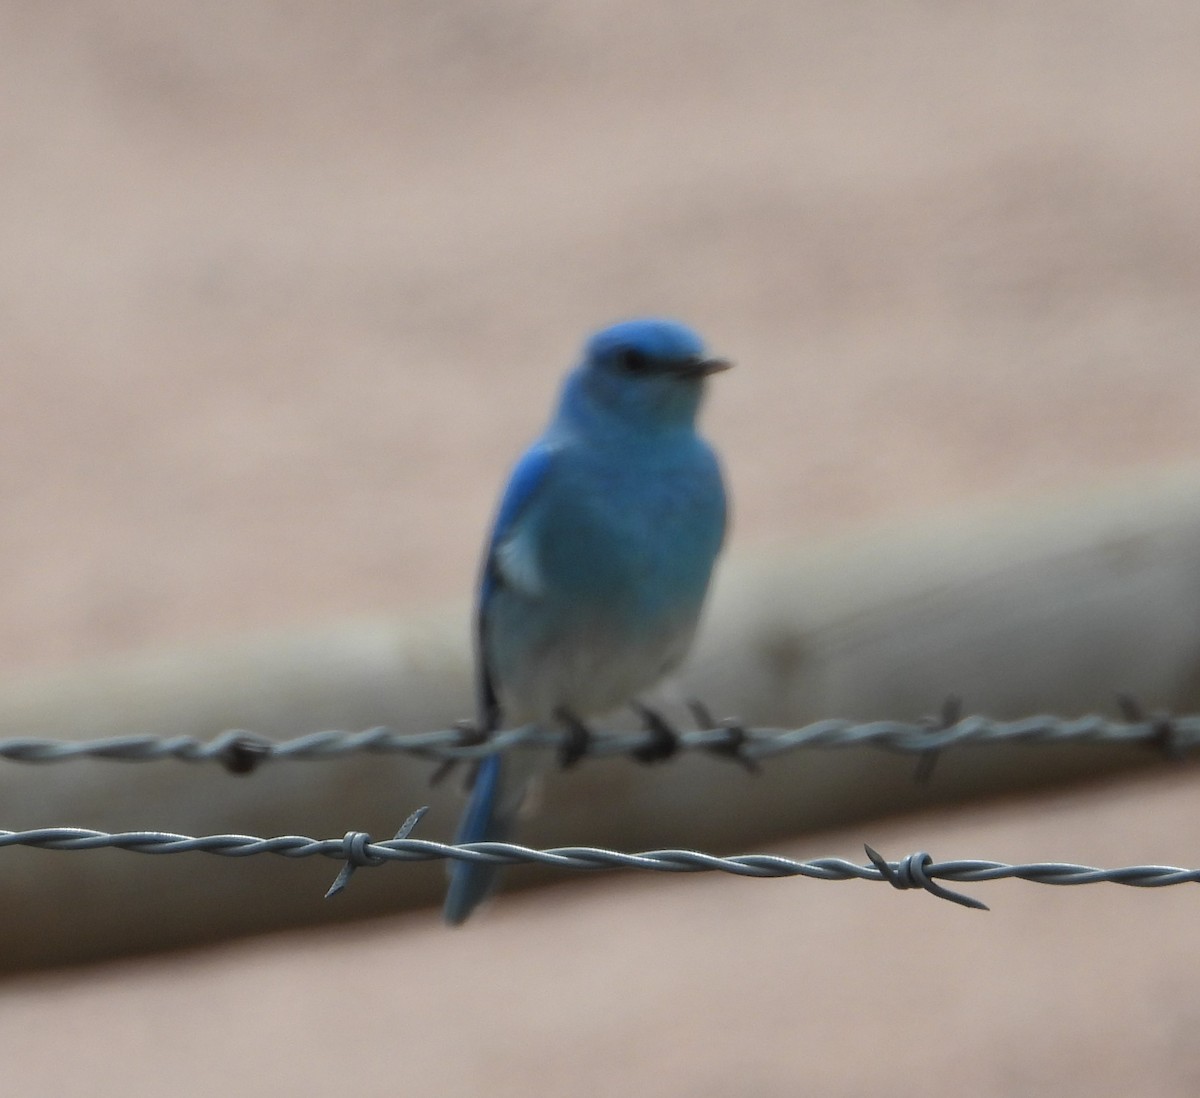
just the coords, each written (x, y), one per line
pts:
(633, 361)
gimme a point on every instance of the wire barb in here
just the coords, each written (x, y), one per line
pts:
(1163, 736)
(736, 736)
(356, 845)
(244, 753)
(912, 872)
(950, 715)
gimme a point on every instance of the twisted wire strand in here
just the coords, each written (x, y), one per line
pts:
(357, 849)
(242, 751)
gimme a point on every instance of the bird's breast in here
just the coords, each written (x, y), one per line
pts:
(633, 538)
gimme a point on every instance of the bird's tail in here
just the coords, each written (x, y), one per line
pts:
(486, 820)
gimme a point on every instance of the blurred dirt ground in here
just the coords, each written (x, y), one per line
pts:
(286, 286)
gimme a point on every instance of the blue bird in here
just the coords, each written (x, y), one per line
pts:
(598, 562)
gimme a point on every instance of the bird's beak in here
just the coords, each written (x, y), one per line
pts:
(702, 367)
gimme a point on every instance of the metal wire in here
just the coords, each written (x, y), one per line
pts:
(358, 849)
(242, 751)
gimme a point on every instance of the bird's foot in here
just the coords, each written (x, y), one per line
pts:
(664, 741)
(576, 741)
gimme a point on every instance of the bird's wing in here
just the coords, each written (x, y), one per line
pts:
(509, 561)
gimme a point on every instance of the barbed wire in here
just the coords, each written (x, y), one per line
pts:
(357, 849)
(241, 751)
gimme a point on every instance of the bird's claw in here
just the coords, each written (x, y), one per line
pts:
(577, 738)
(664, 742)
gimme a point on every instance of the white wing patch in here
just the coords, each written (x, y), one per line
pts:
(516, 562)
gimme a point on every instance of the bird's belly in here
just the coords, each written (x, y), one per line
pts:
(582, 663)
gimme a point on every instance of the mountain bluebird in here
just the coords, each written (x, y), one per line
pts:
(598, 561)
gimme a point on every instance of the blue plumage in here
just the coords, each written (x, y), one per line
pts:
(599, 558)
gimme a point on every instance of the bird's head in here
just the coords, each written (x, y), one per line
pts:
(647, 374)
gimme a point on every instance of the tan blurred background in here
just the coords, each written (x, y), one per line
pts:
(287, 286)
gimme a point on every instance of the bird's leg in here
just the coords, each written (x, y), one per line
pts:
(665, 739)
(576, 742)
